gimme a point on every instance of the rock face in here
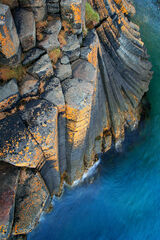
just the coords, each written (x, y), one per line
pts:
(51, 40)
(31, 197)
(9, 41)
(25, 25)
(72, 95)
(9, 180)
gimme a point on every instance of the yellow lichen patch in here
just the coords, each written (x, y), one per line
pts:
(7, 73)
(61, 38)
(40, 26)
(7, 46)
(76, 8)
(54, 55)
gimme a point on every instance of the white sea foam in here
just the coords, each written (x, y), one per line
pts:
(87, 174)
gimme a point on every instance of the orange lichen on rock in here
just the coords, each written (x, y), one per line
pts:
(76, 8)
(7, 46)
(92, 56)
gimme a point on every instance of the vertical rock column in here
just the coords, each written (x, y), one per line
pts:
(9, 41)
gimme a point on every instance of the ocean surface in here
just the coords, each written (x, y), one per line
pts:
(121, 199)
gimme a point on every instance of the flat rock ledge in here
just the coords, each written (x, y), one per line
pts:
(68, 91)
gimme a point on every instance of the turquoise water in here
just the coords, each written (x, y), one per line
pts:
(123, 202)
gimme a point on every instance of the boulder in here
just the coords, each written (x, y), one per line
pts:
(63, 71)
(9, 95)
(37, 6)
(83, 70)
(8, 180)
(32, 55)
(31, 198)
(29, 86)
(41, 117)
(53, 93)
(42, 68)
(72, 48)
(18, 147)
(9, 41)
(26, 29)
(51, 40)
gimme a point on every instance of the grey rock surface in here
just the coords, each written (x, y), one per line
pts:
(72, 48)
(29, 86)
(42, 68)
(63, 71)
(32, 55)
(26, 29)
(51, 40)
(9, 94)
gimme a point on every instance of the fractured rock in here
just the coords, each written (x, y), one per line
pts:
(72, 48)
(41, 118)
(26, 29)
(63, 71)
(32, 55)
(31, 198)
(9, 95)
(29, 86)
(53, 93)
(51, 40)
(9, 41)
(8, 180)
(42, 68)
(17, 146)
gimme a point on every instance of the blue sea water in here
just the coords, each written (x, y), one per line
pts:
(123, 202)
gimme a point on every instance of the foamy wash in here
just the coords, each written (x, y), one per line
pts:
(72, 78)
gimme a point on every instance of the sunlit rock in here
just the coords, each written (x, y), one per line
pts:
(9, 41)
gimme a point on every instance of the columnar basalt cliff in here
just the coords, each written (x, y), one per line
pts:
(72, 76)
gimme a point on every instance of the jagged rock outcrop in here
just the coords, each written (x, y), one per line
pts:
(67, 98)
